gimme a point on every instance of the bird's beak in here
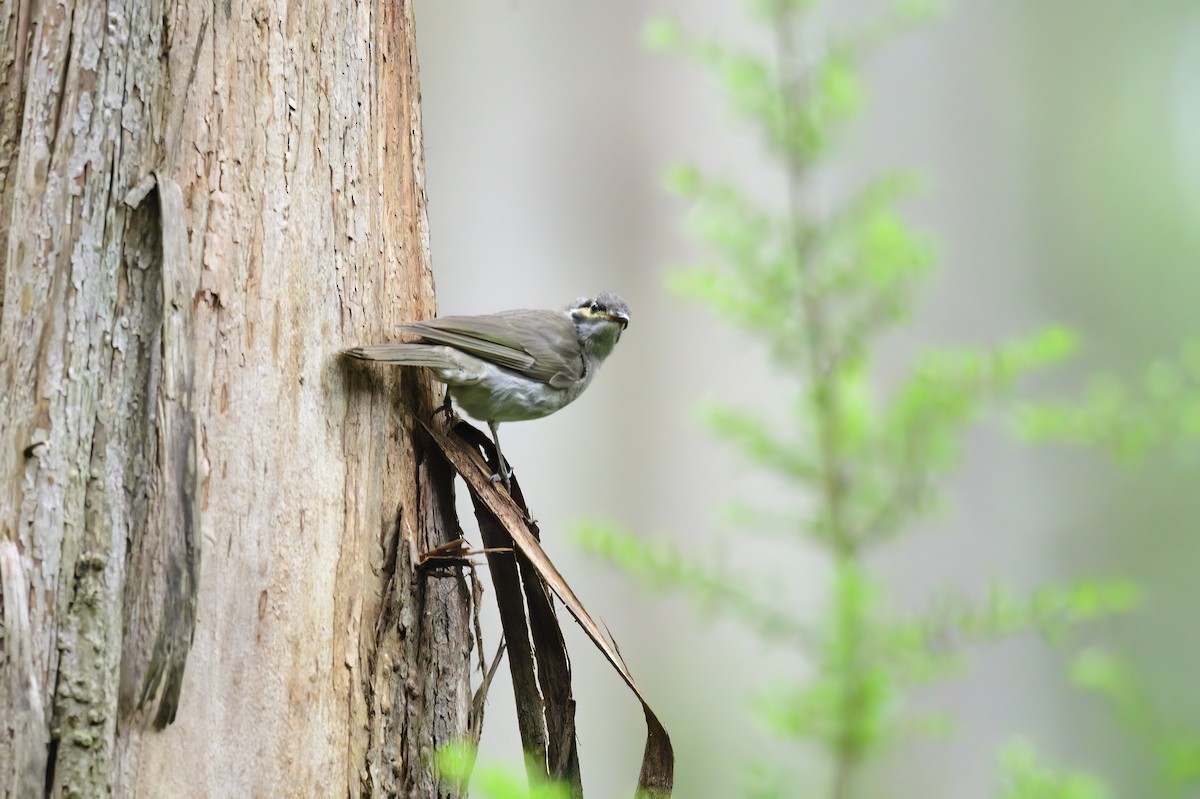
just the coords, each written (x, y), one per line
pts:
(620, 318)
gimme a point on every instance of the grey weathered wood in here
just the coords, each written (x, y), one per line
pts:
(207, 524)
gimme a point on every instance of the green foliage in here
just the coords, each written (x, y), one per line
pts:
(862, 460)
(1162, 411)
(1180, 762)
(845, 706)
(1177, 751)
(457, 763)
(1026, 778)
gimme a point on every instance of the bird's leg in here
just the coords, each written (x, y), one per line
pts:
(446, 407)
(505, 472)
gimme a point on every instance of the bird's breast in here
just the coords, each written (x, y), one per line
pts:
(505, 397)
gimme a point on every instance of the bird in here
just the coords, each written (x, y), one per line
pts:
(511, 366)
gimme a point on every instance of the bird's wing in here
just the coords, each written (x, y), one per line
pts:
(542, 345)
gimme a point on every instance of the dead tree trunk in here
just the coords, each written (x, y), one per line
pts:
(207, 524)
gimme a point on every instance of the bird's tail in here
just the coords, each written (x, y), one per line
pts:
(433, 356)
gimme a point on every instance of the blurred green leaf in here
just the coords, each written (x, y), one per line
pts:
(1025, 777)
(760, 441)
(661, 566)
(661, 32)
(456, 761)
(1163, 412)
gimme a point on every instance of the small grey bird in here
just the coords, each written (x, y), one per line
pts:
(512, 365)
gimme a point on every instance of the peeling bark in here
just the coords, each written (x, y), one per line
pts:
(207, 524)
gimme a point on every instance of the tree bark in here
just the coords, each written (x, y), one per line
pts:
(208, 524)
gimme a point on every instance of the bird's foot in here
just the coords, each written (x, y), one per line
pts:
(505, 476)
(446, 407)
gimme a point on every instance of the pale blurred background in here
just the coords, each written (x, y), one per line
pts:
(1062, 146)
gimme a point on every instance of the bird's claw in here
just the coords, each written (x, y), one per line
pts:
(447, 407)
(503, 477)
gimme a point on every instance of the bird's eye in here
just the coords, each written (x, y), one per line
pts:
(594, 307)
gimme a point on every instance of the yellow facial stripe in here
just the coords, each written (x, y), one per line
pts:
(601, 313)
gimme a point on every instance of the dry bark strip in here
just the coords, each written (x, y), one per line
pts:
(460, 445)
(531, 709)
(518, 587)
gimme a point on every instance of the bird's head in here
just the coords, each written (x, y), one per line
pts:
(599, 321)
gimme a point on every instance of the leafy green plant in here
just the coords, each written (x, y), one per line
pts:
(1161, 411)
(1175, 749)
(862, 461)
(495, 780)
(1026, 777)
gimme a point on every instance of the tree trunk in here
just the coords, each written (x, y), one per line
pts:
(208, 524)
